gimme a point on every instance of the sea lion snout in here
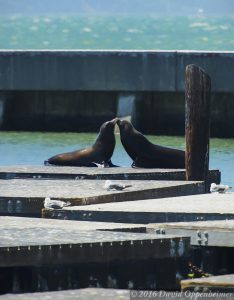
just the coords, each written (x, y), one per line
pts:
(118, 121)
(110, 124)
(115, 121)
(124, 125)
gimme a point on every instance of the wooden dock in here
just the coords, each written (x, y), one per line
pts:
(221, 284)
(25, 197)
(81, 294)
(173, 209)
(47, 254)
(41, 255)
(28, 241)
(77, 173)
(41, 246)
(50, 224)
(203, 233)
(112, 294)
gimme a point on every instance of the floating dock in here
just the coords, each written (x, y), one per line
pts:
(111, 294)
(212, 241)
(204, 233)
(121, 173)
(221, 284)
(50, 224)
(173, 209)
(38, 256)
(81, 294)
(25, 197)
(41, 246)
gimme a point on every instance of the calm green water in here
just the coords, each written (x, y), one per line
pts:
(117, 32)
(27, 148)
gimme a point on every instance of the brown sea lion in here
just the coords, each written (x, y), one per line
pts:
(98, 154)
(144, 153)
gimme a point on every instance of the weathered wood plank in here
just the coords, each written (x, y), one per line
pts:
(47, 246)
(221, 225)
(25, 197)
(203, 233)
(54, 256)
(223, 283)
(81, 294)
(29, 223)
(109, 294)
(171, 209)
(121, 173)
(42, 255)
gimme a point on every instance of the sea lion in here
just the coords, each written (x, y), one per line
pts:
(99, 154)
(146, 154)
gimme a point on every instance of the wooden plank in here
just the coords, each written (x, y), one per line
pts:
(223, 283)
(81, 294)
(38, 246)
(25, 197)
(171, 209)
(42, 255)
(203, 233)
(29, 223)
(116, 294)
(121, 173)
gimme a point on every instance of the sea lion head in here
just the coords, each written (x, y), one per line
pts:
(107, 128)
(131, 139)
(106, 137)
(125, 127)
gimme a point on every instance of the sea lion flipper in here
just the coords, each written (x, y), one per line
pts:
(137, 163)
(111, 165)
(143, 162)
(106, 164)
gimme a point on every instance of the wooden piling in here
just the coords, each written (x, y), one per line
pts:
(197, 123)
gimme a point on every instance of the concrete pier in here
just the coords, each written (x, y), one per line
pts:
(43, 90)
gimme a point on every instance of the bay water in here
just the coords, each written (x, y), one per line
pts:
(199, 32)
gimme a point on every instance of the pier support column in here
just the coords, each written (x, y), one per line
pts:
(126, 105)
(197, 123)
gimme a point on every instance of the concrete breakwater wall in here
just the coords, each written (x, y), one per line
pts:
(79, 90)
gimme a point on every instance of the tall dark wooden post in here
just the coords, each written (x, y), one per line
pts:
(197, 123)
